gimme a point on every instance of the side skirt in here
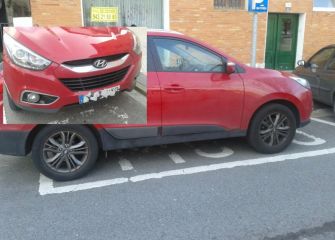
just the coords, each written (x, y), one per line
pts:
(112, 142)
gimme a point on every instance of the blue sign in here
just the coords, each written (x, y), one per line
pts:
(258, 5)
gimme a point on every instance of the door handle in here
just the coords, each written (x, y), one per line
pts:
(174, 88)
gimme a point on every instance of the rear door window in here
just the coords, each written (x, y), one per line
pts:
(331, 65)
(322, 57)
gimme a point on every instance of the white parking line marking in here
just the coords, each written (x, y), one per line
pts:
(125, 164)
(176, 158)
(224, 153)
(316, 141)
(46, 184)
(323, 121)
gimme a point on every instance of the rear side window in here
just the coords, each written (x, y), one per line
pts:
(322, 57)
(180, 56)
(331, 65)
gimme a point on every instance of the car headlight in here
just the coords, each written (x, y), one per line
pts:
(137, 44)
(24, 57)
(303, 82)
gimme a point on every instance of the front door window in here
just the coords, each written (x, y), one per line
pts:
(180, 56)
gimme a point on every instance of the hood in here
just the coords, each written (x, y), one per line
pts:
(263, 72)
(61, 44)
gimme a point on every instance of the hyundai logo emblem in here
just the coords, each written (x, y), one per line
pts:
(100, 63)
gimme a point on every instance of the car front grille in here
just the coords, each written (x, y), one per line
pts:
(84, 62)
(88, 83)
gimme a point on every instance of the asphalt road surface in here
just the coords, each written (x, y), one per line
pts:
(213, 190)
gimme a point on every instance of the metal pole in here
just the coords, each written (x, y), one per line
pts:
(254, 39)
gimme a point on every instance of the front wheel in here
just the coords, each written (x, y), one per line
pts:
(65, 153)
(272, 129)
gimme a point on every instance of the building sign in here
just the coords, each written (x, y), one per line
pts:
(104, 14)
(258, 5)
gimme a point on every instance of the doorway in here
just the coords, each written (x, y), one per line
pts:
(281, 42)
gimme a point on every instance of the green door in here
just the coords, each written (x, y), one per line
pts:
(281, 44)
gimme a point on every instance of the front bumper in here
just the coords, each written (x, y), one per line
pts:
(47, 82)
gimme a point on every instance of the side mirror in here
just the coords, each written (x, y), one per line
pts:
(301, 63)
(231, 68)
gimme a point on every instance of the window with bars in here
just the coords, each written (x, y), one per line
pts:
(229, 4)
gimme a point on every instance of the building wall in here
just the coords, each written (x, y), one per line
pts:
(56, 12)
(319, 30)
(229, 30)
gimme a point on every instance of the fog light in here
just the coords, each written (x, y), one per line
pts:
(38, 98)
(33, 97)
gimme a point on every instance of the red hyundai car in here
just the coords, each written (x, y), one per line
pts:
(195, 92)
(46, 69)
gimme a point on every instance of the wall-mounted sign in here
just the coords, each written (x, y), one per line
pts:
(104, 14)
(258, 5)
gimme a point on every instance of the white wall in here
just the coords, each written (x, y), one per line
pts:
(301, 37)
(166, 15)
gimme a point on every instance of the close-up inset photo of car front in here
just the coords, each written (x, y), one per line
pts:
(74, 75)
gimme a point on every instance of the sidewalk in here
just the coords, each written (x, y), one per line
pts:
(141, 84)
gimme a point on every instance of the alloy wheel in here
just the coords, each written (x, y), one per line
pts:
(65, 151)
(274, 129)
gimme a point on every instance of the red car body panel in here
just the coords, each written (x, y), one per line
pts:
(217, 99)
(186, 106)
(264, 86)
(233, 99)
(59, 45)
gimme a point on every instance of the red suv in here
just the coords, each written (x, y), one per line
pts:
(195, 92)
(46, 69)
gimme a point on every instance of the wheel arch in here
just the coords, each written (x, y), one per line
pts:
(286, 103)
(38, 128)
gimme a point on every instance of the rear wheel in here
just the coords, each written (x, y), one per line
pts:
(272, 129)
(11, 103)
(65, 153)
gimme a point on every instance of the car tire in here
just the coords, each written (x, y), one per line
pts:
(65, 152)
(272, 129)
(11, 103)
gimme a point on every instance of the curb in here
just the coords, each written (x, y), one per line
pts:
(141, 89)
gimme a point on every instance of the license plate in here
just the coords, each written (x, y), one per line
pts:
(95, 96)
